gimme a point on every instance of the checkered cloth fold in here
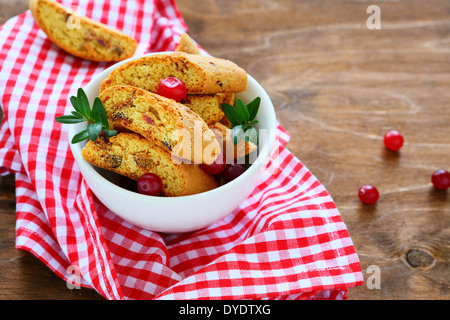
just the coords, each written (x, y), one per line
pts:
(286, 241)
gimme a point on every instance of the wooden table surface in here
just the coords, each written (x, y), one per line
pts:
(337, 86)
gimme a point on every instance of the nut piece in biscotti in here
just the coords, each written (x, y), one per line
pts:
(187, 45)
(208, 106)
(79, 35)
(232, 151)
(168, 123)
(200, 74)
(131, 155)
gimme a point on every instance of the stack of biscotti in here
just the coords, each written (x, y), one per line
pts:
(209, 81)
(151, 136)
(160, 135)
(131, 155)
(208, 106)
(169, 124)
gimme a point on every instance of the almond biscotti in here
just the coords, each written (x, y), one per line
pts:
(168, 123)
(131, 155)
(84, 37)
(200, 74)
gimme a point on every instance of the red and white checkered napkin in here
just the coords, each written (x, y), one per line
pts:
(286, 241)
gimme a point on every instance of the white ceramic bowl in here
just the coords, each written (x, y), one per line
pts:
(177, 214)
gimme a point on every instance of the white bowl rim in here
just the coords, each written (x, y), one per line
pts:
(261, 159)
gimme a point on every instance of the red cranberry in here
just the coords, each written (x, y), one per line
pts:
(216, 167)
(368, 194)
(172, 88)
(393, 140)
(441, 179)
(232, 171)
(150, 184)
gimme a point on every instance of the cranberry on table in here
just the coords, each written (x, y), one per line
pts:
(216, 167)
(393, 140)
(232, 171)
(441, 179)
(368, 194)
(172, 88)
(150, 184)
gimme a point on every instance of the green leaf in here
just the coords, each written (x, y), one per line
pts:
(237, 133)
(78, 115)
(83, 104)
(239, 111)
(99, 113)
(94, 130)
(109, 133)
(230, 114)
(73, 100)
(69, 119)
(253, 108)
(80, 136)
(96, 117)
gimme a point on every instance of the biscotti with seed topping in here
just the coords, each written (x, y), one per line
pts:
(200, 74)
(81, 36)
(131, 155)
(168, 123)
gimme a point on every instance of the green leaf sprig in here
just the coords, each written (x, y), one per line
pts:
(242, 118)
(97, 118)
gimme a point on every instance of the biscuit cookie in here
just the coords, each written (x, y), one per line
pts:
(208, 106)
(204, 105)
(168, 123)
(187, 45)
(200, 74)
(87, 39)
(131, 155)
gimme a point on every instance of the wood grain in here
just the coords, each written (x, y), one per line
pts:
(337, 87)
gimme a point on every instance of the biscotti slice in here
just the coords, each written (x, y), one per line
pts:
(168, 123)
(200, 74)
(79, 35)
(187, 45)
(131, 155)
(208, 106)
(232, 151)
